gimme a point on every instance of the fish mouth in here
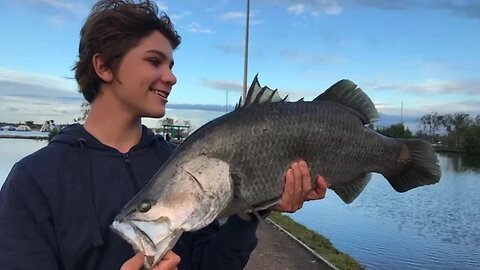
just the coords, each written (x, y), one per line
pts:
(139, 234)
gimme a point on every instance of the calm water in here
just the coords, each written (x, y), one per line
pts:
(434, 227)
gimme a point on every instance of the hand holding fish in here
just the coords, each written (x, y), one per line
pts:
(298, 188)
(169, 262)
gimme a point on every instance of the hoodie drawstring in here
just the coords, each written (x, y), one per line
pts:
(86, 176)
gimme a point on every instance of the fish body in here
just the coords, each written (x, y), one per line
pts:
(236, 163)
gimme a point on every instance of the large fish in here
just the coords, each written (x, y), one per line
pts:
(236, 163)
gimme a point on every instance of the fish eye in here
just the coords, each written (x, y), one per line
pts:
(144, 206)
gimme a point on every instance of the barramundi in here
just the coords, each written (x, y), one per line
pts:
(236, 163)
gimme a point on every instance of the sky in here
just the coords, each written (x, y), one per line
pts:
(411, 57)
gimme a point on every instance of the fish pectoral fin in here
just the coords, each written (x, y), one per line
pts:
(349, 192)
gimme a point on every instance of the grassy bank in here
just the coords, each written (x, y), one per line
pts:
(318, 243)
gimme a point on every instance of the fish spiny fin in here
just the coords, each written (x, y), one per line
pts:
(257, 95)
(348, 94)
(349, 192)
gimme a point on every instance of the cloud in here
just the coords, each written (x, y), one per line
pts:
(57, 20)
(162, 6)
(296, 9)
(311, 58)
(201, 107)
(315, 7)
(382, 4)
(179, 16)
(25, 96)
(231, 48)
(430, 87)
(26, 79)
(470, 9)
(232, 15)
(195, 27)
(465, 8)
(222, 85)
(68, 6)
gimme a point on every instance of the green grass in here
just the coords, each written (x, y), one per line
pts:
(318, 243)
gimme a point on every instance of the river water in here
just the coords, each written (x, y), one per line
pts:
(433, 227)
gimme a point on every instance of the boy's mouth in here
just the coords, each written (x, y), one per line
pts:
(160, 93)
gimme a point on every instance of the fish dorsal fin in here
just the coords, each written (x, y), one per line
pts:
(349, 192)
(257, 95)
(347, 93)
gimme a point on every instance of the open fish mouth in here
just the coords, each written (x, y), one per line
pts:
(138, 234)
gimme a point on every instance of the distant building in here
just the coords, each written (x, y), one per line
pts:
(23, 128)
(10, 128)
(177, 132)
(48, 125)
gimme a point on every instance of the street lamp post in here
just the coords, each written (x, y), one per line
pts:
(245, 65)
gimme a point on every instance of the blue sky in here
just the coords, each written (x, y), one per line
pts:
(424, 53)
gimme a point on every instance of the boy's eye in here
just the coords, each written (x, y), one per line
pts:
(154, 61)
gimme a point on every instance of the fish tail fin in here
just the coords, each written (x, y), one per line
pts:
(418, 165)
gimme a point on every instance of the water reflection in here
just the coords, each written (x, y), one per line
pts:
(455, 162)
(431, 227)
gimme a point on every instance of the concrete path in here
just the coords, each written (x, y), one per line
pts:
(276, 250)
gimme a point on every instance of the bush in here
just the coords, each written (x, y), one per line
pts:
(52, 134)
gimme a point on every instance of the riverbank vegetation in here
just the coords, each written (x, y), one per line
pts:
(458, 132)
(454, 132)
(318, 243)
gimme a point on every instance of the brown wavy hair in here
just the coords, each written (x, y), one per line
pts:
(112, 29)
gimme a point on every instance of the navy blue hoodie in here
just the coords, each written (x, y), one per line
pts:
(57, 204)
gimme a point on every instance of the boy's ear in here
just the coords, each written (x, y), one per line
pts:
(102, 71)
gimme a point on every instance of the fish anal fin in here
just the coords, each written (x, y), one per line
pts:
(347, 93)
(349, 192)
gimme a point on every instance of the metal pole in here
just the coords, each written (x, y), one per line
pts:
(401, 114)
(245, 65)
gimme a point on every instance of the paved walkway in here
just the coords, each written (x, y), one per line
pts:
(276, 250)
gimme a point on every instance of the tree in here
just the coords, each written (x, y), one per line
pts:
(85, 110)
(30, 124)
(395, 131)
(167, 121)
(477, 120)
(457, 124)
(431, 123)
(472, 139)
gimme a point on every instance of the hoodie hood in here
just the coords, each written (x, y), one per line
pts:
(75, 133)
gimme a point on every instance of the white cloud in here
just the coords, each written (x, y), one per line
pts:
(57, 20)
(314, 7)
(296, 9)
(178, 16)
(61, 84)
(195, 27)
(232, 15)
(162, 6)
(68, 6)
(431, 87)
(222, 85)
